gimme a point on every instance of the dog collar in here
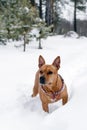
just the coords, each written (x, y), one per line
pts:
(55, 94)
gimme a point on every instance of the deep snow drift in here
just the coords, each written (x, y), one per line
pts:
(17, 71)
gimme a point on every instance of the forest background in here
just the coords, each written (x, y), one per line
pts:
(19, 17)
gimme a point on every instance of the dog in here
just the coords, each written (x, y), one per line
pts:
(49, 84)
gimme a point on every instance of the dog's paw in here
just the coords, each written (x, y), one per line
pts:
(33, 95)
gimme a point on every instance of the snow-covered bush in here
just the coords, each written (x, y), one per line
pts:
(71, 34)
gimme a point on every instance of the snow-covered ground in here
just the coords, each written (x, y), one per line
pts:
(18, 111)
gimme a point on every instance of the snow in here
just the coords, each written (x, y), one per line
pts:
(71, 34)
(17, 71)
(26, 9)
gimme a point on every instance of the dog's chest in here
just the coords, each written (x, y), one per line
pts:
(49, 96)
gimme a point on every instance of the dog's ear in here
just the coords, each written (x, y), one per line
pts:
(41, 61)
(56, 62)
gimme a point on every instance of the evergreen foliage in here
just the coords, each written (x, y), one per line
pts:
(44, 31)
(19, 17)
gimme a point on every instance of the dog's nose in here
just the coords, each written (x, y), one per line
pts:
(42, 80)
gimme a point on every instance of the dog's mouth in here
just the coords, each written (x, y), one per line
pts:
(43, 82)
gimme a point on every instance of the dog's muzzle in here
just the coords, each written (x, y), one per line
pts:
(42, 80)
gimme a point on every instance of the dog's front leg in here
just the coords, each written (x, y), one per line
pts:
(45, 107)
(35, 91)
(64, 100)
(36, 84)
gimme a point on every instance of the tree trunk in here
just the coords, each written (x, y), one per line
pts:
(75, 20)
(24, 42)
(49, 12)
(40, 9)
(8, 33)
(40, 47)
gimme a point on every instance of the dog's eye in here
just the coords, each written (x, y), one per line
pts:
(41, 72)
(50, 72)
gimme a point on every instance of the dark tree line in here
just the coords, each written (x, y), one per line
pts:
(78, 5)
(52, 11)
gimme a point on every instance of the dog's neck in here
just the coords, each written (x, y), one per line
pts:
(57, 91)
(60, 82)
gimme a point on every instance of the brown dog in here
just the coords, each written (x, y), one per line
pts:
(49, 84)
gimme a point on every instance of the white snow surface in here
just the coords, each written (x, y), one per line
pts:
(18, 110)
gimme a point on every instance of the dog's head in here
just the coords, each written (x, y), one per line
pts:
(48, 73)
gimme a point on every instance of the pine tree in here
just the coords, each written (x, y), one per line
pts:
(44, 31)
(18, 17)
(28, 20)
(9, 18)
